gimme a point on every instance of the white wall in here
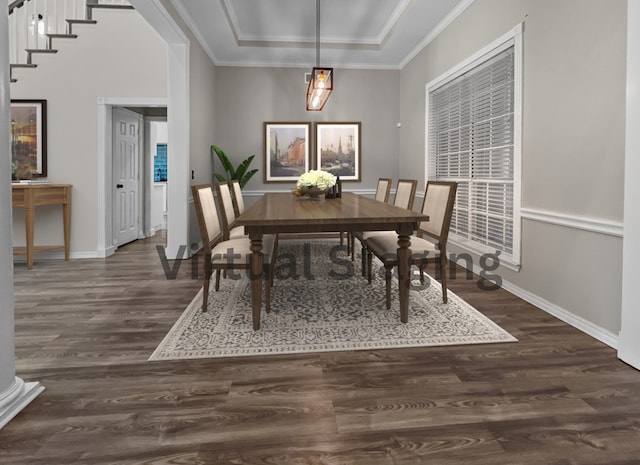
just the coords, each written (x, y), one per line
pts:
(573, 145)
(121, 56)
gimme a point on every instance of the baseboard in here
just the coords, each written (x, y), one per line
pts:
(59, 255)
(587, 327)
(16, 398)
(595, 331)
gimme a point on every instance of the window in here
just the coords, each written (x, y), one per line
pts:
(473, 137)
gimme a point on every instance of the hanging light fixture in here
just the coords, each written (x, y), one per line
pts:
(321, 80)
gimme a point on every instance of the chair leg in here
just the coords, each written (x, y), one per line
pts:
(443, 277)
(217, 279)
(364, 260)
(274, 257)
(388, 270)
(341, 237)
(205, 290)
(352, 242)
(369, 267)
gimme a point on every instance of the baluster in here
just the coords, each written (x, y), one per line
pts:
(28, 12)
(43, 27)
(12, 37)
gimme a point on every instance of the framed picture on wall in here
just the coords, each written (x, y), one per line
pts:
(338, 149)
(286, 151)
(28, 135)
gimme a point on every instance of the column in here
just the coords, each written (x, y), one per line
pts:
(15, 394)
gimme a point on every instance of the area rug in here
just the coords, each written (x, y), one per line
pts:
(320, 303)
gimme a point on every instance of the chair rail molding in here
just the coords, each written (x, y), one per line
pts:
(585, 223)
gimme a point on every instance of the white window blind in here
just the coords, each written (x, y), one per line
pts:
(471, 133)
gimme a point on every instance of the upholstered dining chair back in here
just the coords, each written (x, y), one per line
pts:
(227, 213)
(383, 189)
(238, 201)
(405, 193)
(439, 198)
(216, 250)
(207, 213)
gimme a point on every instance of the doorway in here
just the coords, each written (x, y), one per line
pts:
(107, 219)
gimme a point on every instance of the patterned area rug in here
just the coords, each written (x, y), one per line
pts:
(319, 303)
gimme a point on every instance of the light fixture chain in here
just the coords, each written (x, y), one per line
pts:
(318, 33)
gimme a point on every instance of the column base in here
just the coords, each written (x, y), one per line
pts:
(16, 398)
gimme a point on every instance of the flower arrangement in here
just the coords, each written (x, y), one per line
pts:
(316, 178)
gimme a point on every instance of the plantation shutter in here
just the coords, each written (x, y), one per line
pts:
(471, 141)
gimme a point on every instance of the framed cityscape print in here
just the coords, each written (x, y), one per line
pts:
(286, 151)
(29, 138)
(338, 149)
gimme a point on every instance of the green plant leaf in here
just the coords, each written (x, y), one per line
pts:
(241, 173)
(242, 167)
(226, 163)
(220, 177)
(246, 177)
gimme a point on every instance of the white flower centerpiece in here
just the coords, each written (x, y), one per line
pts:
(315, 182)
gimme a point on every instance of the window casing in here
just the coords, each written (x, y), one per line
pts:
(473, 136)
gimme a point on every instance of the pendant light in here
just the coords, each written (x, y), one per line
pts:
(321, 80)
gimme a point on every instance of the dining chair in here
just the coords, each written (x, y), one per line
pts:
(238, 200)
(220, 254)
(429, 242)
(382, 195)
(227, 213)
(405, 194)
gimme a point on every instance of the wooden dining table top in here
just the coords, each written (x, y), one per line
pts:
(284, 212)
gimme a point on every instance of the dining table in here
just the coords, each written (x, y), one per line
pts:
(281, 212)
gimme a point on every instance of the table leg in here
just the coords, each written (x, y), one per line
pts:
(66, 219)
(404, 269)
(256, 278)
(29, 220)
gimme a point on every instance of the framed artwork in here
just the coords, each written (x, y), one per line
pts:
(29, 137)
(338, 149)
(286, 151)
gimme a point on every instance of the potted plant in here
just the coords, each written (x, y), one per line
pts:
(242, 173)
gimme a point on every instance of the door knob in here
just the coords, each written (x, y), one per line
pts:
(119, 186)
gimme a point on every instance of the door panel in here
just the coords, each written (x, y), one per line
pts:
(126, 169)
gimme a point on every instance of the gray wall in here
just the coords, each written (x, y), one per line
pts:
(247, 97)
(573, 143)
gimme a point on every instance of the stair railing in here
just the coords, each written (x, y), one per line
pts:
(33, 24)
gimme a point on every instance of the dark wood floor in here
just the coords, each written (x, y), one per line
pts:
(86, 328)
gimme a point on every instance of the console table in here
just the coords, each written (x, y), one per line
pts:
(31, 196)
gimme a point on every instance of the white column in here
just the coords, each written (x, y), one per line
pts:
(15, 394)
(628, 341)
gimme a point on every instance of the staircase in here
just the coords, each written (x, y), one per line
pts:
(34, 25)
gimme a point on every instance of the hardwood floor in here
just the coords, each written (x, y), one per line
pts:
(86, 328)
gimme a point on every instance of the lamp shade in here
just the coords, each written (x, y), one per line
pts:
(320, 87)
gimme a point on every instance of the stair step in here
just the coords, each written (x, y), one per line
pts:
(91, 6)
(50, 38)
(62, 36)
(109, 6)
(40, 50)
(18, 65)
(23, 65)
(81, 21)
(71, 22)
(31, 51)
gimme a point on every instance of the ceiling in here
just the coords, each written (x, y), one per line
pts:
(366, 34)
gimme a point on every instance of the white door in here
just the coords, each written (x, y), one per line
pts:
(126, 175)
